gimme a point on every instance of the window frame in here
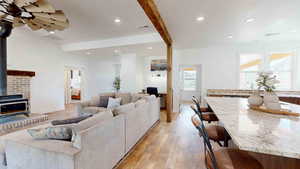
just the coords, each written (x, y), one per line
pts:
(265, 65)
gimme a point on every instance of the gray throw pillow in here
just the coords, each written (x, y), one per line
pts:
(103, 101)
(71, 120)
(56, 133)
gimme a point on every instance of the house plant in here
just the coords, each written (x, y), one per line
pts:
(267, 81)
(117, 84)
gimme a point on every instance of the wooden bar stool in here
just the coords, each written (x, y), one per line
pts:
(206, 116)
(215, 133)
(224, 158)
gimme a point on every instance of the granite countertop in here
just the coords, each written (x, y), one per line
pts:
(257, 131)
(248, 94)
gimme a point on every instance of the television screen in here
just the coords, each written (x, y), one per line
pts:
(159, 65)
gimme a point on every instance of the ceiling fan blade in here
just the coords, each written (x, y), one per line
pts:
(52, 22)
(40, 6)
(21, 3)
(47, 25)
(17, 22)
(32, 25)
(57, 16)
(2, 16)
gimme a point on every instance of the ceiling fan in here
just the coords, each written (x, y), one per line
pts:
(37, 14)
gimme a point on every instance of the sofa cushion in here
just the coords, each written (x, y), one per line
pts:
(140, 103)
(103, 99)
(136, 96)
(125, 97)
(56, 133)
(92, 121)
(149, 98)
(113, 103)
(95, 101)
(92, 110)
(123, 109)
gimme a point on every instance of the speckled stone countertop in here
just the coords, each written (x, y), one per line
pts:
(257, 131)
(245, 93)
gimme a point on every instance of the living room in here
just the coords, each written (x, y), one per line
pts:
(189, 53)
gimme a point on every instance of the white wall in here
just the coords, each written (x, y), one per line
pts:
(132, 74)
(151, 79)
(102, 73)
(28, 51)
(220, 64)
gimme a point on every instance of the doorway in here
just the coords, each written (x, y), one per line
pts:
(73, 85)
(190, 83)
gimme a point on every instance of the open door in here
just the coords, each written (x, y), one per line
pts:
(190, 83)
(73, 85)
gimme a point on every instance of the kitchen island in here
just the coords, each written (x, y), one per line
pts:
(273, 139)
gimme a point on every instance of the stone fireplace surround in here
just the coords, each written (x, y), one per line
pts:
(18, 82)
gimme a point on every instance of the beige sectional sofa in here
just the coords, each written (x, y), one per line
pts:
(99, 142)
(99, 102)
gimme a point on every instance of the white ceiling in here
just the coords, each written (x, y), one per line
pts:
(94, 19)
(141, 50)
(225, 18)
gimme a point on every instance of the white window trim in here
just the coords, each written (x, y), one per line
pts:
(266, 66)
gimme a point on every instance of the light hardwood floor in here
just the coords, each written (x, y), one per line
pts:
(175, 145)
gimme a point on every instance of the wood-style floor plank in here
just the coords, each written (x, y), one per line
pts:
(175, 145)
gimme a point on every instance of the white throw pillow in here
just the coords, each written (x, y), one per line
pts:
(113, 103)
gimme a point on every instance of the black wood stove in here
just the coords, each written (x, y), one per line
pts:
(10, 105)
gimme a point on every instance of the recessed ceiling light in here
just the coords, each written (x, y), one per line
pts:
(117, 20)
(88, 53)
(150, 48)
(230, 36)
(201, 18)
(293, 31)
(250, 20)
(116, 51)
(52, 32)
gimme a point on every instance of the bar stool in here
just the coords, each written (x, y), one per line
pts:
(206, 116)
(225, 158)
(215, 133)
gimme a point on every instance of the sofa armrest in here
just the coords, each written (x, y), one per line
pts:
(53, 146)
(46, 154)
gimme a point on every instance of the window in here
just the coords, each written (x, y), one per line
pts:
(250, 65)
(189, 79)
(280, 64)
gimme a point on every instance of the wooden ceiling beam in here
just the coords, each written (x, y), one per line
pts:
(153, 14)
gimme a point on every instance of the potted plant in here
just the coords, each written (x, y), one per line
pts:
(267, 81)
(117, 84)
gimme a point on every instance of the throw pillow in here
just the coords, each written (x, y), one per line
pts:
(70, 120)
(103, 99)
(113, 103)
(56, 133)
